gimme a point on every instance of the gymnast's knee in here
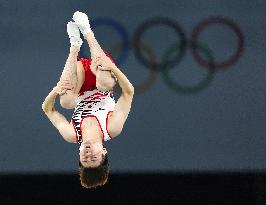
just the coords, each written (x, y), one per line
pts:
(67, 101)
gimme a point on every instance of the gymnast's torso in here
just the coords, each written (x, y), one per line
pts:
(95, 108)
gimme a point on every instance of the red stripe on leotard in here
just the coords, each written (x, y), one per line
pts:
(107, 124)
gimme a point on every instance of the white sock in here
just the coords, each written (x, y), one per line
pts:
(82, 21)
(74, 34)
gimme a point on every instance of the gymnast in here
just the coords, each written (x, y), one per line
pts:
(86, 85)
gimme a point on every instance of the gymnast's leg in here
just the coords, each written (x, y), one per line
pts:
(105, 80)
(68, 98)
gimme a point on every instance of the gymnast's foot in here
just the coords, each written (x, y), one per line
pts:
(82, 21)
(73, 34)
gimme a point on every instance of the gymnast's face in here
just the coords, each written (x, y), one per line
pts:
(91, 154)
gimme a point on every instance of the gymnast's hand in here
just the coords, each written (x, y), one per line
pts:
(62, 86)
(104, 63)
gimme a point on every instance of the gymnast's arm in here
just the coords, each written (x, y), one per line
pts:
(123, 105)
(57, 119)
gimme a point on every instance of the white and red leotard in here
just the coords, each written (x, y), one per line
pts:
(92, 103)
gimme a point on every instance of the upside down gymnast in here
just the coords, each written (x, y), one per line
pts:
(86, 85)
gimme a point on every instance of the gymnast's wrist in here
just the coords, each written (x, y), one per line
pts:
(54, 91)
(113, 67)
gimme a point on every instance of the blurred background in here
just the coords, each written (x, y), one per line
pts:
(198, 117)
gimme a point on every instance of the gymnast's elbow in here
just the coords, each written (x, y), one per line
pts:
(46, 109)
(130, 90)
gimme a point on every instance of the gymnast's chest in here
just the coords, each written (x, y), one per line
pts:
(90, 125)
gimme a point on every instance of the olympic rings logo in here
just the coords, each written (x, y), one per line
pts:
(179, 48)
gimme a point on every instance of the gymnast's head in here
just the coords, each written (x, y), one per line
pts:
(93, 165)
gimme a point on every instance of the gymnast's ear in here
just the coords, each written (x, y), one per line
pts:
(105, 151)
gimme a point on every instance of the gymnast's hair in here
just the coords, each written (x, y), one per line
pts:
(94, 176)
